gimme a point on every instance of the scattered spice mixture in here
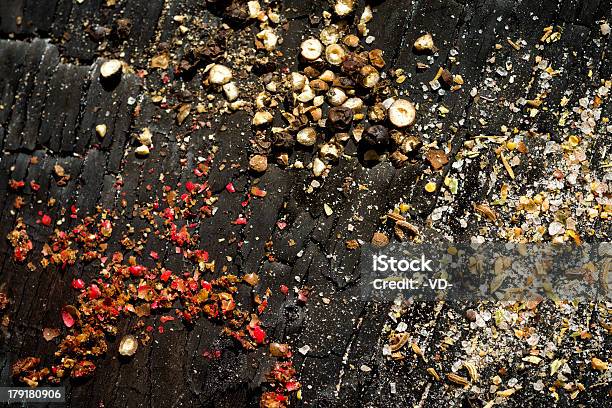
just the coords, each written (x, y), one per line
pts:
(336, 99)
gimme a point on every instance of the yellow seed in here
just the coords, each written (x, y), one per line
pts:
(433, 373)
(457, 379)
(506, 393)
(507, 166)
(471, 369)
(101, 130)
(598, 364)
(538, 199)
(416, 349)
(511, 144)
(430, 187)
(574, 140)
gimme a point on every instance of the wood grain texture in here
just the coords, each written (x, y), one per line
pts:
(51, 100)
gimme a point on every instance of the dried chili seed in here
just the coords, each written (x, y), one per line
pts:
(437, 158)
(376, 58)
(4, 301)
(83, 369)
(270, 399)
(49, 333)
(251, 278)
(340, 117)
(24, 365)
(376, 136)
(425, 43)
(279, 350)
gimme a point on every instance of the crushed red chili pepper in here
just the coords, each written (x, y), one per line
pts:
(20, 240)
(130, 284)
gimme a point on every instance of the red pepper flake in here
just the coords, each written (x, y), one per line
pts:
(128, 288)
(257, 333)
(20, 240)
(262, 306)
(94, 291)
(46, 220)
(210, 354)
(284, 290)
(258, 192)
(106, 228)
(190, 186)
(281, 225)
(78, 284)
(83, 369)
(240, 221)
(16, 185)
(292, 386)
(166, 275)
(200, 256)
(165, 319)
(69, 314)
(303, 295)
(270, 399)
(34, 185)
(137, 270)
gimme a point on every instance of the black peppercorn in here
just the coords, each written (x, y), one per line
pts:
(376, 136)
(340, 117)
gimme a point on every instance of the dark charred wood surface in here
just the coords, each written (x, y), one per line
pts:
(51, 100)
